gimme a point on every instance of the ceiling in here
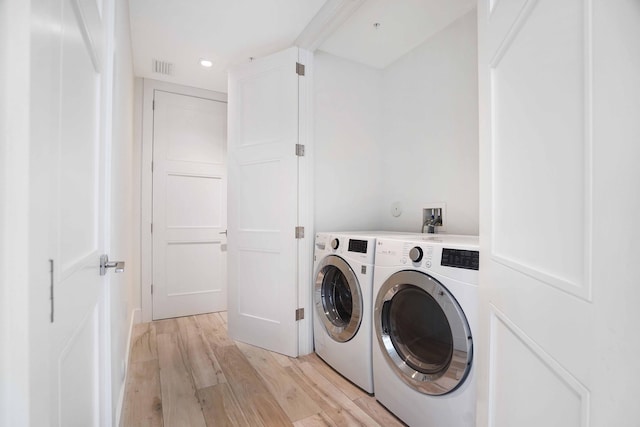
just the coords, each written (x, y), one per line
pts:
(403, 25)
(230, 32)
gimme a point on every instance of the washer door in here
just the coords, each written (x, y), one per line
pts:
(423, 333)
(338, 298)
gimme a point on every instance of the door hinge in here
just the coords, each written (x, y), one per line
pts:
(151, 228)
(300, 314)
(299, 232)
(299, 150)
(51, 285)
(152, 289)
(152, 166)
(299, 69)
(153, 104)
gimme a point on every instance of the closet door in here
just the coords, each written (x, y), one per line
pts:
(264, 202)
(558, 284)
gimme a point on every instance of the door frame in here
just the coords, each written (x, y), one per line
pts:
(149, 86)
(20, 275)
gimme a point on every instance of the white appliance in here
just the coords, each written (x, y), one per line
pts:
(342, 296)
(425, 308)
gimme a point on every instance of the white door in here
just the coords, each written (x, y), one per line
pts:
(189, 205)
(559, 128)
(79, 333)
(263, 202)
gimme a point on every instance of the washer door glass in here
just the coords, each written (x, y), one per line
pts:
(423, 333)
(338, 299)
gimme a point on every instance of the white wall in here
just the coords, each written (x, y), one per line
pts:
(124, 287)
(347, 138)
(430, 111)
(14, 213)
(408, 134)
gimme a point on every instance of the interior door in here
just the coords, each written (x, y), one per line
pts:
(189, 205)
(79, 338)
(557, 129)
(263, 202)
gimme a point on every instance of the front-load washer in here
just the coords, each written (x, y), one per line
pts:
(343, 289)
(425, 308)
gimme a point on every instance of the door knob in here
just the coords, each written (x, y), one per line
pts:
(105, 263)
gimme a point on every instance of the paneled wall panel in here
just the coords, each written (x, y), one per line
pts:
(541, 145)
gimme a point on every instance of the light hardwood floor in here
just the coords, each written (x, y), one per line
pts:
(187, 372)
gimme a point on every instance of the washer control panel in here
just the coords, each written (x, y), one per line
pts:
(361, 248)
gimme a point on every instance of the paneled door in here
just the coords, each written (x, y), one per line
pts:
(264, 202)
(79, 331)
(189, 205)
(559, 84)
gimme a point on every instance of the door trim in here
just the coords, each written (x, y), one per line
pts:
(149, 86)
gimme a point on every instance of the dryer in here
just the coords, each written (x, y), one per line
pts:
(424, 316)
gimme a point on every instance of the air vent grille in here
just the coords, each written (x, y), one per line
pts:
(162, 67)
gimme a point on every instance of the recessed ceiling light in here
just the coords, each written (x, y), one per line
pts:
(206, 63)
(377, 25)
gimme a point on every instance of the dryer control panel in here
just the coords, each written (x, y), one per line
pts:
(455, 260)
(459, 258)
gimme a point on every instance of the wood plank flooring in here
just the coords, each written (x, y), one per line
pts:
(187, 372)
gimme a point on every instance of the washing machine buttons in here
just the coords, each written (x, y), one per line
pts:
(335, 243)
(428, 263)
(415, 254)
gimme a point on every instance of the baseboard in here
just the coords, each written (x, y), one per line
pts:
(136, 315)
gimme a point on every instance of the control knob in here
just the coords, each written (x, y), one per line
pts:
(335, 243)
(415, 254)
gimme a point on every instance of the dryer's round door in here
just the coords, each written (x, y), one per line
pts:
(338, 298)
(423, 332)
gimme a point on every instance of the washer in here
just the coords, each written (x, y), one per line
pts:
(343, 301)
(424, 318)
(342, 296)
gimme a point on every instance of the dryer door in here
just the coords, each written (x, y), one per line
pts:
(338, 298)
(423, 333)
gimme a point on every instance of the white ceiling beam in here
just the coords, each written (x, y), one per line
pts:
(328, 19)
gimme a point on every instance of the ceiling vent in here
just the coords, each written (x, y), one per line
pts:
(162, 67)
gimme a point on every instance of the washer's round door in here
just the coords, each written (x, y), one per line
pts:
(423, 333)
(338, 298)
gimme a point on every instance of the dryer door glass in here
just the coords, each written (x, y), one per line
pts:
(423, 333)
(338, 299)
(420, 331)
